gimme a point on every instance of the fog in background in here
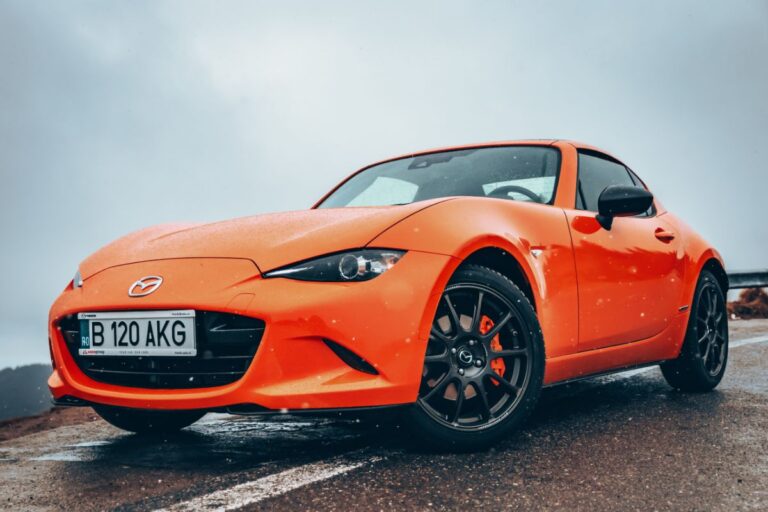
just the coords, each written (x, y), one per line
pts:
(119, 115)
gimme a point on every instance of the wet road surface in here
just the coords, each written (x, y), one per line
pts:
(625, 442)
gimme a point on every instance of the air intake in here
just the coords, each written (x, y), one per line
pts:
(226, 345)
(350, 358)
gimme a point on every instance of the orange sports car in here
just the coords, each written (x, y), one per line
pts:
(453, 284)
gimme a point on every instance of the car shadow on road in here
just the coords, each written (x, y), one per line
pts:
(570, 411)
(234, 444)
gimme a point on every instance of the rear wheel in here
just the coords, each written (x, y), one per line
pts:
(144, 421)
(703, 357)
(484, 364)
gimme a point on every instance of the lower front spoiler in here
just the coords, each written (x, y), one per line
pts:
(257, 410)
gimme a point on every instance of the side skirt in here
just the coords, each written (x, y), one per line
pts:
(602, 374)
(662, 347)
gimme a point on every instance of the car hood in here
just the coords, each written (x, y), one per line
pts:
(270, 240)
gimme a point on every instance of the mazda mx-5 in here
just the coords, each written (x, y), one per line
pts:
(451, 284)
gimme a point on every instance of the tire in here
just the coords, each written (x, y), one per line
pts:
(142, 421)
(704, 355)
(470, 403)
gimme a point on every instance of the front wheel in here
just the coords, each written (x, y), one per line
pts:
(484, 363)
(703, 357)
(142, 421)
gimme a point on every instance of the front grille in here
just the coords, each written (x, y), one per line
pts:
(226, 344)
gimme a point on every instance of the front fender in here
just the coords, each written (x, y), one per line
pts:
(536, 236)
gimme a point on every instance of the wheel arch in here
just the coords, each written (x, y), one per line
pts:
(504, 263)
(715, 266)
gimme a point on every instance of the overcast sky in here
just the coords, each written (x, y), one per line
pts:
(119, 115)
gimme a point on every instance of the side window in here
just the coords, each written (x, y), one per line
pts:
(596, 173)
(580, 200)
(639, 183)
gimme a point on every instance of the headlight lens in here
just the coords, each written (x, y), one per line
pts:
(77, 281)
(361, 265)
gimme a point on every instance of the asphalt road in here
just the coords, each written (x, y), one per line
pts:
(624, 442)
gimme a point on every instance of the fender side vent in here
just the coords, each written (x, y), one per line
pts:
(350, 358)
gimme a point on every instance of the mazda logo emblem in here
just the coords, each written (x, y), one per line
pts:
(145, 286)
(465, 356)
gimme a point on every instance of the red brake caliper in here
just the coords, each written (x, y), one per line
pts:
(497, 365)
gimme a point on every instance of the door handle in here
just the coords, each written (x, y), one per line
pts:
(664, 235)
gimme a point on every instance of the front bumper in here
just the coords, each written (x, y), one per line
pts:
(386, 321)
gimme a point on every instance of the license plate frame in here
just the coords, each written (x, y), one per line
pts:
(172, 333)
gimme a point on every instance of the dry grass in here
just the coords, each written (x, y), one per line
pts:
(752, 303)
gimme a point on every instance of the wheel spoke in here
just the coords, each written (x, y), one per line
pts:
(437, 358)
(715, 354)
(713, 358)
(498, 327)
(459, 401)
(508, 386)
(482, 394)
(704, 344)
(436, 334)
(704, 307)
(517, 352)
(454, 314)
(475, 327)
(439, 388)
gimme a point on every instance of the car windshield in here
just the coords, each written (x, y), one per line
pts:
(520, 173)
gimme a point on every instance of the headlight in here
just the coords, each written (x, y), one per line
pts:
(359, 265)
(77, 281)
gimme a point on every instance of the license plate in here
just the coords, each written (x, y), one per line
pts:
(138, 333)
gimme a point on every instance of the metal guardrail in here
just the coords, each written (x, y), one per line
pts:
(748, 279)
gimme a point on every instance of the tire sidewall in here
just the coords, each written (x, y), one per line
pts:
(687, 371)
(691, 345)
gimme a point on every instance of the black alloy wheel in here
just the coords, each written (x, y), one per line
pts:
(704, 354)
(712, 328)
(483, 366)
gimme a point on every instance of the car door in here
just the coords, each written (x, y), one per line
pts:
(629, 276)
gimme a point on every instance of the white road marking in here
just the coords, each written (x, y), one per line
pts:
(748, 341)
(73, 456)
(637, 371)
(270, 486)
(90, 444)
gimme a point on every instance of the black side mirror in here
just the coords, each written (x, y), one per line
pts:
(621, 200)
